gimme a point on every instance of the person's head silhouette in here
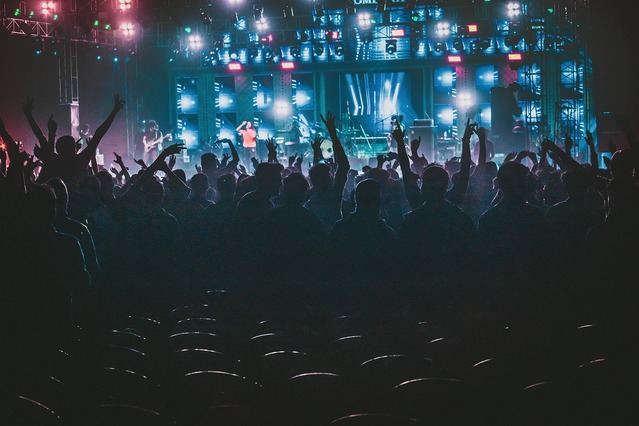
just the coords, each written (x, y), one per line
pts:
(368, 197)
(199, 185)
(208, 161)
(153, 193)
(295, 189)
(512, 179)
(320, 175)
(622, 165)
(577, 181)
(268, 178)
(226, 185)
(66, 146)
(434, 183)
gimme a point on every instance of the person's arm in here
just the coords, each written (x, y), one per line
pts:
(92, 145)
(147, 173)
(241, 126)
(15, 173)
(481, 159)
(568, 145)
(343, 165)
(565, 161)
(272, 150)
(381, 159)
(3, 161)
(458, 192)
(409, 179)
(235, 157)
(28, 112)
(316, 145)
(176, 184)
(594, 157)
(124, 170)
(52, 127)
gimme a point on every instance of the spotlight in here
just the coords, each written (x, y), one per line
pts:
(282, 108)
(440, 47)
(465, 100)
(414, 16)
(364, 20)
(318, 49)
(288, 65)
(295, 51)
(391, 46)
(234, 2)
(458, 45)
(253, 51)
(195, 42)
(513, 10)
(454, 59)
(338, 49)
(473, 28)
(447, 116)
(398, 32)
(261, 24)
(442, 29)
(515, 57)
(127, 29)
(48, 8)
(333, 35)
(124, 5)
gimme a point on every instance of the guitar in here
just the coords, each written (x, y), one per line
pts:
(148, 146)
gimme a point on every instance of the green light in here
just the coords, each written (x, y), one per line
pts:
(187, 30)
(96, 23)
(16, 12)
(550, 10)
(56, 17)
(107, 27)
(31, 14)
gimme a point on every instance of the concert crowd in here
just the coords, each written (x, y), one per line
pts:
(304, 292)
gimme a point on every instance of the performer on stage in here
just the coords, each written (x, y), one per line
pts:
(248, 132)
(152, 141)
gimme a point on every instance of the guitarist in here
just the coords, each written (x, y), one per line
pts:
(152, 141)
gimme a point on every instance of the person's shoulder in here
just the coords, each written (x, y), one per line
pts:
(65, 241)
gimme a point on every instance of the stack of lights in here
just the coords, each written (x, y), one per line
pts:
(48, 8)
(261, 24)
(127, 29)
(442, 29)
(195, 42)
(513, 9)
(364, 20)
(473, 28)
(125, 5)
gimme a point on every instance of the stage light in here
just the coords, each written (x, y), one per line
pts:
(364, 20)
(48, 8)
(333, 35)
(17, 12)
(188, 30)
(116, 59)
(195, 42)
(440, 47)
(224, 101)
(442, 29)
(99, 57)
(282, 108)
(96, 23)
(454, 59)
(447, 116)
(465, 100)
(295, 51)
(287, 65)
(261, 24)
(391, 46)
(318, 49)
(515, 57)
(125, 5)
(266, 38)
(234, 2)
(446, 78)
(107, 27)
(473, 28)
(127, 29)
(458, 45)
(513, 9)
(414, 16)
(235, 66)
(339, 49)
(398, 32)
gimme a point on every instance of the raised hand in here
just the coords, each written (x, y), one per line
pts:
(225, 159)
(414, 146)
(198, 168)
(381, 159)
(468, 132)
(329, 122)
(176, 148)
(114, 170)
(140, 163)
(316, 144)
(172, 160)
(118, 159)
(510, 157)
(298, 162)
(118, 102)
(272, 149)
(590, 140)
(392, 156)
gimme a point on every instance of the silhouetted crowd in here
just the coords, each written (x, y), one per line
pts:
(539, 242)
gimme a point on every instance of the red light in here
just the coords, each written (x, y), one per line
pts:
(333, 35)
(235, 66)
(454, 59)
(515, 57)
(473, 28)
(398, 32)
(286, 65)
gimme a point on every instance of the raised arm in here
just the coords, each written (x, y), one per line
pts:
(594, 157)
(235, 157)
(124, 170)
(15, 173)
(411, 189)
(316, 145)
(481, 132)
(92, 145)
(564, 160)
(343, 165)
(458, 192)
(272, 150)
(28, 112)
